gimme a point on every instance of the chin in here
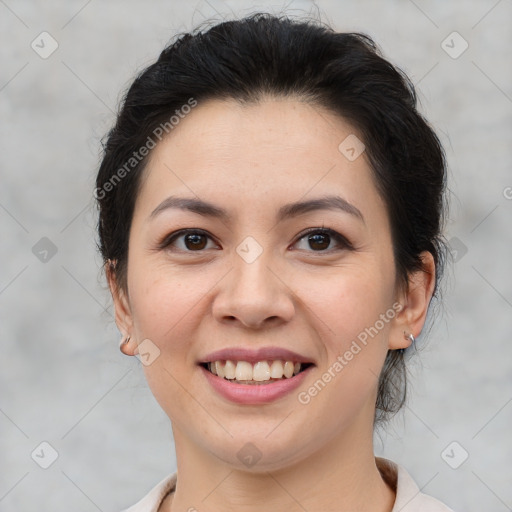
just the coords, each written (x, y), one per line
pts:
(260, 452)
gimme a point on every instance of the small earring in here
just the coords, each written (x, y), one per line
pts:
(124, 342)
(409, 337)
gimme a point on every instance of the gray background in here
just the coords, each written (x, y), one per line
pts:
(62, 377)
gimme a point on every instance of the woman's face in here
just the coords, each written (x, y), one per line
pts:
(255, 284)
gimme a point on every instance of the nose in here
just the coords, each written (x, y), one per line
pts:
(254, 296)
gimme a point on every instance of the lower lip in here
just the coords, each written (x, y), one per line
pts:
(254, 393)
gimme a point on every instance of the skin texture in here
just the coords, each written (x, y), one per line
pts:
(312, 299)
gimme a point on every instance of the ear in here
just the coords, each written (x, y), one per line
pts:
(123, 316)
(415, 301)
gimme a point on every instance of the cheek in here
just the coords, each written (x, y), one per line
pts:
(346, 301)
(167, 307)
(352, 313)
(165, 310)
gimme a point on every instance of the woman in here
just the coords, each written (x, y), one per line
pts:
(271, 208)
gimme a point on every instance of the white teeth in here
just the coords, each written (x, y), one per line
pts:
(288, 369)
(219, 368)
(262, 371)
(276, 370)
(229, 370)
(243, 370)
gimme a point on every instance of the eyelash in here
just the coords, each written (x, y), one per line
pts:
(340, 239)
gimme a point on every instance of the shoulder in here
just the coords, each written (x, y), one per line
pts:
(409, 497)
(152, 501)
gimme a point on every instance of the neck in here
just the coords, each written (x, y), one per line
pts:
(342, 476)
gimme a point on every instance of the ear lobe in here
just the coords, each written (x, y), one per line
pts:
(123, 316)
(415, 299)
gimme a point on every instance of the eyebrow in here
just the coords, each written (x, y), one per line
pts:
(286, 211)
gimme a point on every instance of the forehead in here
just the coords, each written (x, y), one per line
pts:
(280, 124)
(278, 150)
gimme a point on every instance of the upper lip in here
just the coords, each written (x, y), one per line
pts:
(253, 356)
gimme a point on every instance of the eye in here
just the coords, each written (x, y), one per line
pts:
(194, 240)
(320, 239)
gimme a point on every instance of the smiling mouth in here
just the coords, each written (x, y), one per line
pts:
(261, 372)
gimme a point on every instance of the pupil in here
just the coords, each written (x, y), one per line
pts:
(194, 240)
(315, 239)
